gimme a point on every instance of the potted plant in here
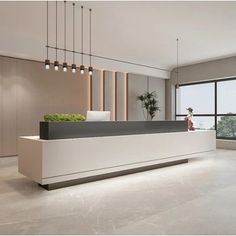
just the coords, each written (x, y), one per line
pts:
(149, 104)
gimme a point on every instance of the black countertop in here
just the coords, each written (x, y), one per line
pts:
(67, 129)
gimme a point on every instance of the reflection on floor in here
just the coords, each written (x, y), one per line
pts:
(194, 198)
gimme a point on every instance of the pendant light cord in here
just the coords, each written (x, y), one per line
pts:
(73, 33)
(47, 29)
(65, 31)
(82, 35)
(56, 30)
(90, 38)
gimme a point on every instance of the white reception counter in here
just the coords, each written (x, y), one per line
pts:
(53, 161)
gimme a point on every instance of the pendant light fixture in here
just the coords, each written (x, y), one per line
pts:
(47, 62)
(64, 63)
(56, 63)
(177, 67)
(90, 43)
(73, 66)
(82, 41)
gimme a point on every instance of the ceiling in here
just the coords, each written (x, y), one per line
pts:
(142, 32)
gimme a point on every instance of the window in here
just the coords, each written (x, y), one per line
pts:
(213, 105)
(200, 97)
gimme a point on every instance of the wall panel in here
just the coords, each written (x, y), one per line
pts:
(158, 85)
(121, 96)
(109, 93)
(97, 90)
(137, 84)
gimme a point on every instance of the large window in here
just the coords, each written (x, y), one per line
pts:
(213, 105)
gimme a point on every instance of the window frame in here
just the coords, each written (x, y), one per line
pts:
(215, 114)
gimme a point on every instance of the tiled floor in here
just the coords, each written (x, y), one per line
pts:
(194, 198)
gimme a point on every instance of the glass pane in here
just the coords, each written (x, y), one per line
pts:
(226, 126)
(179, 118)
(204, 122)
(226, 95)
(200, 97)
(201, 122)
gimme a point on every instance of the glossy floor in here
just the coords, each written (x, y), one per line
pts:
(194, 198)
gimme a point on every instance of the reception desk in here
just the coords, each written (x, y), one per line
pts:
(55, 162)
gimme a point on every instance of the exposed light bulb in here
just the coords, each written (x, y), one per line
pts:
(47, 64)
(82, 69)
(56, 65)
(73, 66)
(64, 67)
(90, 70)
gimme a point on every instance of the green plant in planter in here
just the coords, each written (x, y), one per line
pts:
(149, 103)
(64, 117)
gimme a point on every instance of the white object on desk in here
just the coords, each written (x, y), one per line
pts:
(98, 116)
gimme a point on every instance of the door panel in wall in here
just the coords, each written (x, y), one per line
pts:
(158, 85)
(9, 100)
(97, 90)
(137, 84)
(109, 92)
(121, 96)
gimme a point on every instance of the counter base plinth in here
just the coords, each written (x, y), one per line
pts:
(110, 175)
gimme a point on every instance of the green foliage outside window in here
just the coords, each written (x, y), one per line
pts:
(226, 126)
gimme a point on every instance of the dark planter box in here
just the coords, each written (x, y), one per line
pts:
(67, 129)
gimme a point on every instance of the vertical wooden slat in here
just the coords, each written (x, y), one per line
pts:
(1, 110)
(91, 92)
(127, 96)
(115, 95)
(103, 90)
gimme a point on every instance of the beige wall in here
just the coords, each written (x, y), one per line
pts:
(28, 91)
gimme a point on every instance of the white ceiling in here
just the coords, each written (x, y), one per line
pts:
(142, 32)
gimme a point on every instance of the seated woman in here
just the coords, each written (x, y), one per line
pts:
(189, 118)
